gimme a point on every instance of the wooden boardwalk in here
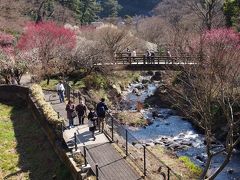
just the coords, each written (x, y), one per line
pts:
(103, 158)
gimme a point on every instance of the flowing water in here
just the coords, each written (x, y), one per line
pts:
(174, 132)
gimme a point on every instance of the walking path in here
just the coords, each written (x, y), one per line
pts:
(110, 164)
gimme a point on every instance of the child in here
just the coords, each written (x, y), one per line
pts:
(92, 117)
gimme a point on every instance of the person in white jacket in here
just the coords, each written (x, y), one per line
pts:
(60, 90)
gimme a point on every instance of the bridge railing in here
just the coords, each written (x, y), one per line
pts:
(150, 165)
(152, 60)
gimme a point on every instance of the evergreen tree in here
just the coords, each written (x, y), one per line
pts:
(86, 10)
(111, 8)
(232, 13)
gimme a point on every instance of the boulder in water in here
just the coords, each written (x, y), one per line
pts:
(230, 171)
(200, 158)
(135, 90)
(145, 81)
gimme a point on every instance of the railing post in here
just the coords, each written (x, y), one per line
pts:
(168, 174)
(112, 129)
(84, 154)
(144, 160)
(73, 96)
(96, 171)
(75, 141)
(126, 142)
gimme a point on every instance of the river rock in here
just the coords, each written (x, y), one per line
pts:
(154, 114)
(187, 143)
(138, 94)
(145, 81)
(150, 73)
(134, 143)
(200, 158)
(181, 135)
(149, 121)
(138, 146)
(117, 89)
(135, 90)
(150, 144)
(230, 171)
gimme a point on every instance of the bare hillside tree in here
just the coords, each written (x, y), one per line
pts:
(209, 11)
(114, 40)
(209, 92)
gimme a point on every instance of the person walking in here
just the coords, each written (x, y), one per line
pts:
(134, 55)
(152, 57)
(148, 55)
(169, 55)
(129, 55)
(71, 114)
(101, 113)
(60, 90)
(92, 118)
(81, 110)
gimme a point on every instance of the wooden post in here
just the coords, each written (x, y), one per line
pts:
(97, 171)
(84, 154)
(144, 160)
(75, 141)
(126, 142)
(112, 129)
(73, 96)
(168, 173)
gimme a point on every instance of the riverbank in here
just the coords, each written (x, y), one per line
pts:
(25, 151)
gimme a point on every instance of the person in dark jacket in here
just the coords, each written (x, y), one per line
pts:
(81, 111)
(70, 112)
(92, 118)
(101, 113)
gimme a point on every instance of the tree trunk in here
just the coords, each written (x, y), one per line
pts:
(226, 161)
(206, 168)
(48, 79)
(7, 80)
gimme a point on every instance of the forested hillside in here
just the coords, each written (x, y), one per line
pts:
(137, 7)
(14, 14)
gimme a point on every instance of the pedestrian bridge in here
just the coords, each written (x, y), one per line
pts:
(139, 63)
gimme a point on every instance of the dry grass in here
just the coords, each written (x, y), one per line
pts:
(135, 119)
(173, 162)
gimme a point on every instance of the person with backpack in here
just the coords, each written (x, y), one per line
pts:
(92, 118)
(101, 113)
(81, 110)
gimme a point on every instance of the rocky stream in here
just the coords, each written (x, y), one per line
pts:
(172, 131)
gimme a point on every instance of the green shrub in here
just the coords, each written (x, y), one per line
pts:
(190, 165)
(95, 81)
(52, 84)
